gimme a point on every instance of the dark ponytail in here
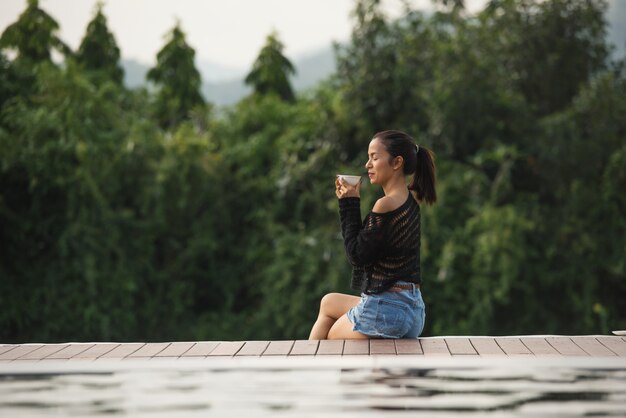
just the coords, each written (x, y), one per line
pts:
(418, 160)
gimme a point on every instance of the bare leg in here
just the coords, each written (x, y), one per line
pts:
(342, 330)
(332, 307)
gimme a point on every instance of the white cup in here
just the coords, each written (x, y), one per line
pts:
(351, 180)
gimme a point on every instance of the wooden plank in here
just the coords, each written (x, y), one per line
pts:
(227, 348)
(592, 346)
(122, 350)
(279, 348)
(356, 347)
(460, 346)
(70, 351)
(19, 351)
(201, 349)
(408, 346)
(253, 348)
(176, 349)
(566, 346)
(43, 352)
(539, 346)
(304, 348)
(382, 346)
(615, 344)
(435, 347)
(486, 346)
(513, 347)
(148, 350)
(330, 347)
(96, 351)
(5, 348)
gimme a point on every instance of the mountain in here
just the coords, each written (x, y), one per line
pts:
(617, 26)
(224, 86)
(134, 73)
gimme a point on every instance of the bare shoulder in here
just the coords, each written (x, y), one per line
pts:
(386, 204)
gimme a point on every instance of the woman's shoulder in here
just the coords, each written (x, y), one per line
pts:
(389, 204)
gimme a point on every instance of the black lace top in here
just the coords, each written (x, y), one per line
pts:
(384, 248)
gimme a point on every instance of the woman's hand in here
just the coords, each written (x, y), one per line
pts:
(343, 189)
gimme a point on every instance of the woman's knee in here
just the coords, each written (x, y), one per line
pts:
(329, 300)
(335, 305)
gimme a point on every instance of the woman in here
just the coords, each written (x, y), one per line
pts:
(384, 249)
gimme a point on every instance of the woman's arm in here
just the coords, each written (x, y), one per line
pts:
(363, 243)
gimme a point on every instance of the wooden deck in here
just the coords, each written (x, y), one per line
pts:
(506, 346)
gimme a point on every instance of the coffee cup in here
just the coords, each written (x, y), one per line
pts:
(351, 180)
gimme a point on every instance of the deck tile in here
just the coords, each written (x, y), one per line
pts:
(356, 347)
(19, 351)
(305, 348)
(614, 343)
(460, 346)
(175, 349)
(279, 348)
(382, 346)
(70, 351)
(253, 348)
(486, 346)
(7, 347)
(201, 349)
(43, 352)
(592, 346)
(408, 346)
(566, 346)
(227, 348)
(330, 347)
(122, 350)
(513, 346)
(435, 347)
(149, 350)
(539, 346)
(96, 351)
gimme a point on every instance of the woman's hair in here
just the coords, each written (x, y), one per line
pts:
(418, 161)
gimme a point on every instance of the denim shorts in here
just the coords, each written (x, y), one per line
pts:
(390, 314)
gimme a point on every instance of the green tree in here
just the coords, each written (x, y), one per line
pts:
(33, 36)
(177, 79)
(551, 48)
(365, 68)
(98, 53)
(271, 70)
(581, 169)
(9, 81)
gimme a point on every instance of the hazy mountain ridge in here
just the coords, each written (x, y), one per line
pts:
(225, 86)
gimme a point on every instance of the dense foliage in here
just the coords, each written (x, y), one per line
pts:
(137, 215)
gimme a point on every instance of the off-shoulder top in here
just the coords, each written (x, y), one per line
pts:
(384, 247)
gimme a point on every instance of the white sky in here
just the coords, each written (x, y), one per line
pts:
(226, 32)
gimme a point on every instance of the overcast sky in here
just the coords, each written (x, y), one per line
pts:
(227, 32)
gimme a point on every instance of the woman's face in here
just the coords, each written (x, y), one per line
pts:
(378, 168)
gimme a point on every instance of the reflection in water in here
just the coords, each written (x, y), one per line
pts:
(305, 392)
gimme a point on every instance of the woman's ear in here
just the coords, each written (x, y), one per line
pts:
(397, 162)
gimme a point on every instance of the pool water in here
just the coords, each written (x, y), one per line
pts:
(311, 388)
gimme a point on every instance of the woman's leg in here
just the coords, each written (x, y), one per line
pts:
(332, 307)
(342, 330)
